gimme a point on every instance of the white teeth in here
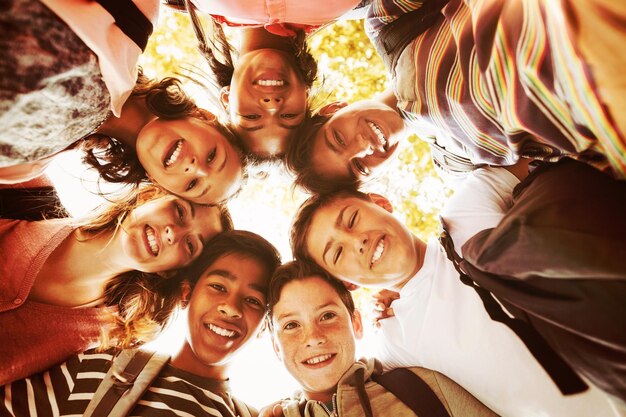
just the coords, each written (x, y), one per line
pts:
(378, 252)
(152, 240)
(379, 134)
(318, 359)
(174, 156)
(220, 331)
(271, 83)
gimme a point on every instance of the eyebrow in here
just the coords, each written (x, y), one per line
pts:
(230, 277)
(337, 224)
(320, 307)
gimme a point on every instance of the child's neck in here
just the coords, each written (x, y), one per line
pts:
(135, 115)
(388, 97)
(78, 270)
(259, 38)
(186, 360)
(420, 253)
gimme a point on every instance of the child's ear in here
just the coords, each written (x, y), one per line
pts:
(381, 201)
(225, 96)
(332, 108)
(204, 114)
(185, 293)
(276, 347)
(357, 324)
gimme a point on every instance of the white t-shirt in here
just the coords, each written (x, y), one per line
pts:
(441, 324)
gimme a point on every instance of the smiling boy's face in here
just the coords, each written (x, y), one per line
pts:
(358, 241)
(314, 335)
(357, 140)
(225, 311)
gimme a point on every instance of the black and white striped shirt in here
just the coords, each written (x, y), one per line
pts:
(66, 389)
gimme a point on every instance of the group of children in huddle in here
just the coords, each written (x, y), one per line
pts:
(517, 310)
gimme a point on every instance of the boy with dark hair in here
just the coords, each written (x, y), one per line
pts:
(441, 323)
(314, 328)
(489, 82)
(224, 303)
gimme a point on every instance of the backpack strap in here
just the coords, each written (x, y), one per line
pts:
(130, 20)
(129, 376)
(413, 392)
(565, 378)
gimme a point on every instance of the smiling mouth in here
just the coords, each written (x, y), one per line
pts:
(378, 252)
(380, 136)
(151, 239)
(172, 155)
(319, 359)
(230, 334)
(270, 82)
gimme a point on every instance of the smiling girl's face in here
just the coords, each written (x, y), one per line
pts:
(167, 233)
(266, 100)
(190, 158)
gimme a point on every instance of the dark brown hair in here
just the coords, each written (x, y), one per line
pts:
(240, 242)
(217, 44)
(297, 271)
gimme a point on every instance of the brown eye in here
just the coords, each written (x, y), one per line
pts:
(190, 246)
(211, 156)
(180, 212)
(251, 116)
(191, 184)
(352, 219)
(361, 169)
(337, 255)
(338, 138)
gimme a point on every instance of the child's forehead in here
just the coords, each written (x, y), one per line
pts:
(341, 201)
(323, 296)
(238, 266)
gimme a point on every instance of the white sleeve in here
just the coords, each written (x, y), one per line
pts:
(389, 349)
(479, 203)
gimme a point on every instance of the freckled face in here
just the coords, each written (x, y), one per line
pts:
(360, 242)
(167, 233)
(190, 158)
(266, 100)
(357, 140)
(314, 335)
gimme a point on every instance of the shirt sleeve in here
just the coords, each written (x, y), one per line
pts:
(388, 348)
(479, 203)
(383, 12)
(47, 392)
